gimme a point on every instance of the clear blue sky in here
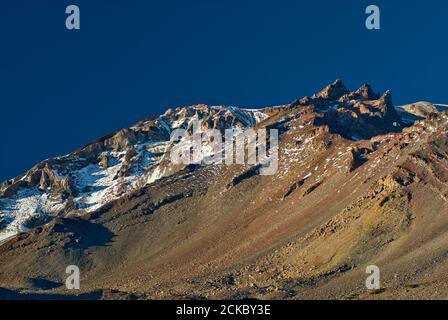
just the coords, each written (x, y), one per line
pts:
(60, 89)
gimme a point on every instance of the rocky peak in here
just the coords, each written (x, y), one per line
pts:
(386, 99)
(387, 108)
(333, 91)
(366, 92)
(360, 114)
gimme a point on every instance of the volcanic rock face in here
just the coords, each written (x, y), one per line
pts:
(358, 183)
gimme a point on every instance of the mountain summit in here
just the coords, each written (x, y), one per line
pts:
(333, 91)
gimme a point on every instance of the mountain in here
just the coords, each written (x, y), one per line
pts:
(359, 182)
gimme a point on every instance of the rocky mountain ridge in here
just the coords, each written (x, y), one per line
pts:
(359, 182)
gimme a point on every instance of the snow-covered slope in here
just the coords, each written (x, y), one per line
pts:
(106, 169)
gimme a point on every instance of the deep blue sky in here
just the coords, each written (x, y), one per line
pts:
(60, 89)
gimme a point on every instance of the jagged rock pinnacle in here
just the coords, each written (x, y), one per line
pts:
(387, 108)
(366, 92)
(387, 98)
(333, 91)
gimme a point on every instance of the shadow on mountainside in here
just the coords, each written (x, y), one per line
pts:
(358, 127)
(83, 233)
(7, 294)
